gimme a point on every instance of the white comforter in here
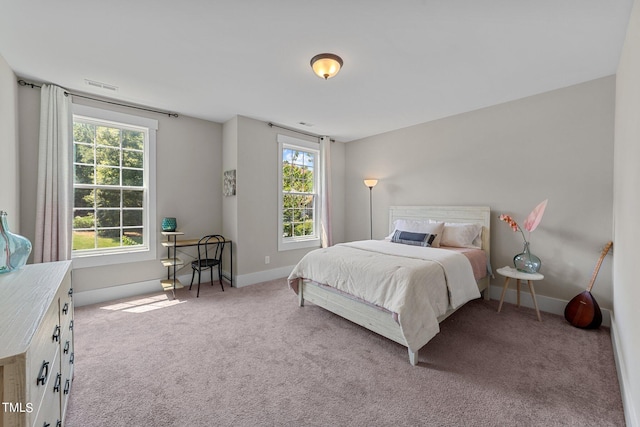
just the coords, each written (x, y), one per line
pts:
(417, 283)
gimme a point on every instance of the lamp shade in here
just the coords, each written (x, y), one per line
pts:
(326, 65)
(370, 182)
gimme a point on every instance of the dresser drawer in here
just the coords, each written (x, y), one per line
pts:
(66, 368)
(42, 361)
(49, 411)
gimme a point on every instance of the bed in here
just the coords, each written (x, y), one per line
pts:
(380, 284)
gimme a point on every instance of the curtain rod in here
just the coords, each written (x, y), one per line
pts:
(297, 131)
(67, 93)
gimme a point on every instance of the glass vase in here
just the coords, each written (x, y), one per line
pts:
(169, 224)
(14, 249)
(526, 261)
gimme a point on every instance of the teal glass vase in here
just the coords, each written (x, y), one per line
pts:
(14, 249)
(526, 261)
(169, 224)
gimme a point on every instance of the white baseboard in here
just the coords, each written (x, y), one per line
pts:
(262, 276)
(630, 415)
(115, 292)
(546, 304)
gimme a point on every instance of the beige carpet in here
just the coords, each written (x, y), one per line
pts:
(252, 357)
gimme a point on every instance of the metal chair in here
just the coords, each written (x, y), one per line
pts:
(209, 256)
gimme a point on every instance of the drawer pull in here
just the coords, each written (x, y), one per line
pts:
(67, 386)
(44, 373)
(71, 292)
(66, 348)
(71, 325)
(46, 424)
(65, 309)
(56, 334)
(59, 423)
(56, 386)
(71, 359)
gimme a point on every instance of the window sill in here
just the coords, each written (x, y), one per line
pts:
(298, 244)
(97, 260)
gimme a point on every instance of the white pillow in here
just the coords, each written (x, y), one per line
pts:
(417, 226)
(462, 235)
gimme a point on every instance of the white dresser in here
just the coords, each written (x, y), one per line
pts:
(36, 345)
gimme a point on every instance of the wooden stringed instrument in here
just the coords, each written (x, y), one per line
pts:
(583, 310)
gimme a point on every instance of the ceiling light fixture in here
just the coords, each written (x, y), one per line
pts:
(326, 65)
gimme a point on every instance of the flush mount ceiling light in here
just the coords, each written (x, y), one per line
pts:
(326, 65)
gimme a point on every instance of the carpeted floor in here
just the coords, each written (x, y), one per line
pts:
(252, 357)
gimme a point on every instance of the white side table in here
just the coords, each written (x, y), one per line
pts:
(512, 273)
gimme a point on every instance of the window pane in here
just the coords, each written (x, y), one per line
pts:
(108, 218)
(132, 237)
(83, 198)
(132, 199)
(83, 153)
(108, 238)
(108, 156)
(84, 240)
(131, 217)
(108, 136)
(83, 132)
(132, 177)
(133, 139)
(287, 232)
(83, 174)
(83, 218)
(132, 159)
(108, 198)
(107, 176)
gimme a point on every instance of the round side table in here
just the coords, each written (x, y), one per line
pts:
(512, 273)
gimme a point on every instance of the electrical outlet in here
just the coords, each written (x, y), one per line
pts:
(267, 260)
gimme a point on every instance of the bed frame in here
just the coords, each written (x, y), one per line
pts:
(380, 320)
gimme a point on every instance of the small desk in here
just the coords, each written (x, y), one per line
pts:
(173, 261)
(512, 273)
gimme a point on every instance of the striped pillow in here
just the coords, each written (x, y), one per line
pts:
(410, 238)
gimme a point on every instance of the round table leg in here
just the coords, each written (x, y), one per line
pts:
(535, 303)
(504, 290)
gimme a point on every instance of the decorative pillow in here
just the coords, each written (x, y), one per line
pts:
(418, 226)
(410, 238)
(462, 235)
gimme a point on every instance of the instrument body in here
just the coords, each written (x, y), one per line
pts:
(583, 310)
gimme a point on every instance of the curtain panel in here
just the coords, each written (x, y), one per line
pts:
(53, 215)
(325, 190)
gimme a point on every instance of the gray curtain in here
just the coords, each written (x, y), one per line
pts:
(53, 216)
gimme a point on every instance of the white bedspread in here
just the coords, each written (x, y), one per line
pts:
(417, 283)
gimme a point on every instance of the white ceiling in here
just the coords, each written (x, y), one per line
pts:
(405, 62)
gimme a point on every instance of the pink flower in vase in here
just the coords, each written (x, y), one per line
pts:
(526, 261)
(532, 221)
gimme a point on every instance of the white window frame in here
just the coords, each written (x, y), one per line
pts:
(148, 250)
(291, 243)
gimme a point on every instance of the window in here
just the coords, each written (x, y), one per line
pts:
(113, 187)
(299, 196)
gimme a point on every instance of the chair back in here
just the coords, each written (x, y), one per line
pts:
(210, 247)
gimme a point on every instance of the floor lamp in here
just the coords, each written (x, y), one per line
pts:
(370, 183)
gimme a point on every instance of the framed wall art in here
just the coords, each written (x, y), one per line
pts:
(229, 183)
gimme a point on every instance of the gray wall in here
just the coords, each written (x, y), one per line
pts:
(9, 196)
(557, 145)
(189, 184)
(627, 227)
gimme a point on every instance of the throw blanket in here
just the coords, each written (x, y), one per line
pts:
(417, 283)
